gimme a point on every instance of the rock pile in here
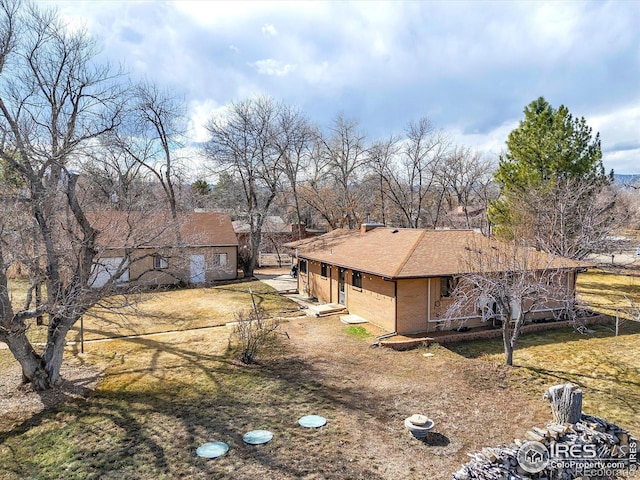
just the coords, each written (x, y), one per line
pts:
(590, 448)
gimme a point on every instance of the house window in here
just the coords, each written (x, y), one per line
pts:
(356, 279)
(447, 286)
(220, 260)
(323, 269)
(303, 266)
(160, 262)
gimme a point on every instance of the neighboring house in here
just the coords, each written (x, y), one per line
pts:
(473, 217)
(143, 250)
(399, 279)
(275, 233)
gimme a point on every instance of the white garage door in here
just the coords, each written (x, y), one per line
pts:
(197, 269)
(104, 269)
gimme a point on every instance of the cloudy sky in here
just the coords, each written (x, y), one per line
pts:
(471, 67)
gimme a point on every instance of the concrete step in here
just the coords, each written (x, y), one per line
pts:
(327, 309)
(352, 319)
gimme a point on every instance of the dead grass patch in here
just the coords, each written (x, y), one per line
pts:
(185, 309)
(608, 292)
(170, 310)
(606, 369)
(163, 396)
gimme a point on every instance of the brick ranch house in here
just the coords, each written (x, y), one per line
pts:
(144, 249)
(399, 279)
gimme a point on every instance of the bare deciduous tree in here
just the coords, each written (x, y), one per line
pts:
(55, 102)
(318, 193)
(382, 155)
(465, 176)
(506, 283)
(116, 178)
(338, 166)
(297, 142)
(410, 177)
(253, 330)
(570, 217)
(152, 132)
(250, 144)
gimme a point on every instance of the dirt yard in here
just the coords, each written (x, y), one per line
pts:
(160, 399)
(138, 408)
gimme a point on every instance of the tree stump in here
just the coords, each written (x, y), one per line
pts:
(566, 403)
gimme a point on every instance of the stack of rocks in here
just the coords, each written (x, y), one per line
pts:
(572, 451)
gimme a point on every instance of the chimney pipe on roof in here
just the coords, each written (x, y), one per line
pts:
(299, 230)
(367, 226)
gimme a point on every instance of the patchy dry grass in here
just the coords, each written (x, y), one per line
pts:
(169, 310)
(183, 309)
(608, 371)
(608, 292)
(18, 292)
(162, 396)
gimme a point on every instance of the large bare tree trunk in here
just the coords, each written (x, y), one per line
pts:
(508, 348)
(42, 371)
(32, 364)
(54, 350)
(56, 100)
(566, 403)
(255, 239)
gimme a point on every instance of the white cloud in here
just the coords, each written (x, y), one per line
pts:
(554, 25)
(230, 13)
(623, 162)
(317, 73)
(468, 65)
(220, 12)
(620, 136)
(618, 125)
(491, 144)
(270, 66)
(200, 112)
(269, 29)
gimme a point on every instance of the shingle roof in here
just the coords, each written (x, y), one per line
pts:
(407, 253)
(210, 228)
(117, 229)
